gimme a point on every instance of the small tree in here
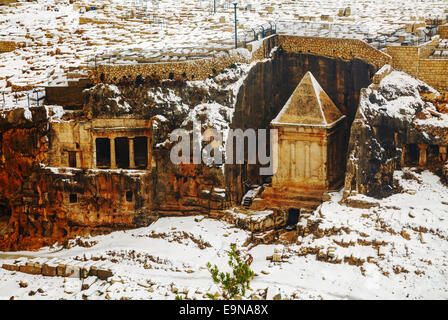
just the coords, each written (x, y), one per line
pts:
(234, 284)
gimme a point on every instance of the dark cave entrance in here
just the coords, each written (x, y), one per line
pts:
(102, 152)
(122, 152)
(412, 155)
(72, 159)
(141, 152)
(434, 156)
(5, 215)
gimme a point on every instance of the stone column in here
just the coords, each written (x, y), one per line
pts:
(78, 159)
(422, 156)
(113, 162)
(292, 161)
(442, 151)
(149, 147)
(403, 155)
(307, 160)
(325, 174)
(131, 153)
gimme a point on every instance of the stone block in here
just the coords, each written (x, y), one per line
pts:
(87, 283)
(73, 271)
(83, 272)
(103, 274)
(61, 270)
(93, 271)
(10, 267)
(31, 269)
(49, 270)
(276, 257)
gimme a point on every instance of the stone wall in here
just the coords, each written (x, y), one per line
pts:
(7, 46)
(434, 72)
(346, 49)
(383, 72)
(414, 61)
(426, 49)
(443, 31)
(199, 69)
(70, 96)
(404, 58)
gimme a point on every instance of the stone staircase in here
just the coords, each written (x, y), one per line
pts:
(250, 195)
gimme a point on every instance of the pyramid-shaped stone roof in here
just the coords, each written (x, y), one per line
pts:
(308, 105)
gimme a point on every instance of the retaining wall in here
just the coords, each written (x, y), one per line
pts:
(414, 61)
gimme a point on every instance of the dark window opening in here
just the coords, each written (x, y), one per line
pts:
(141, 152)
(5, 215)
(293, 218)
(412, 155)
(433, 154)
(122, 152)
(73, 198)
(72, 159)
(103, 152)
(139, 80)
(5, 211)
(128, 196)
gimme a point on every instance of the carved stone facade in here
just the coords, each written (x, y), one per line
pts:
(310, 131)
(101, 144)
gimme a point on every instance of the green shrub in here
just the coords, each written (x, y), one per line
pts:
(234, 284)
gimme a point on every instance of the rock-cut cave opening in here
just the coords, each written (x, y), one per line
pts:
(5, 215)
(102, 152)
(269, 85)
(122, 152)
(141, 152)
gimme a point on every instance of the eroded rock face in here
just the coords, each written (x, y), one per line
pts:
(41, 205)
(398, 113)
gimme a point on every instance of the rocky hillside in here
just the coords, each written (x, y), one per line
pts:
(398, 111)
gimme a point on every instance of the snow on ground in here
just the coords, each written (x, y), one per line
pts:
(396, 249)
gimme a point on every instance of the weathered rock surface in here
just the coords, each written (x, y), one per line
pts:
(397, 112)
(38, 205)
